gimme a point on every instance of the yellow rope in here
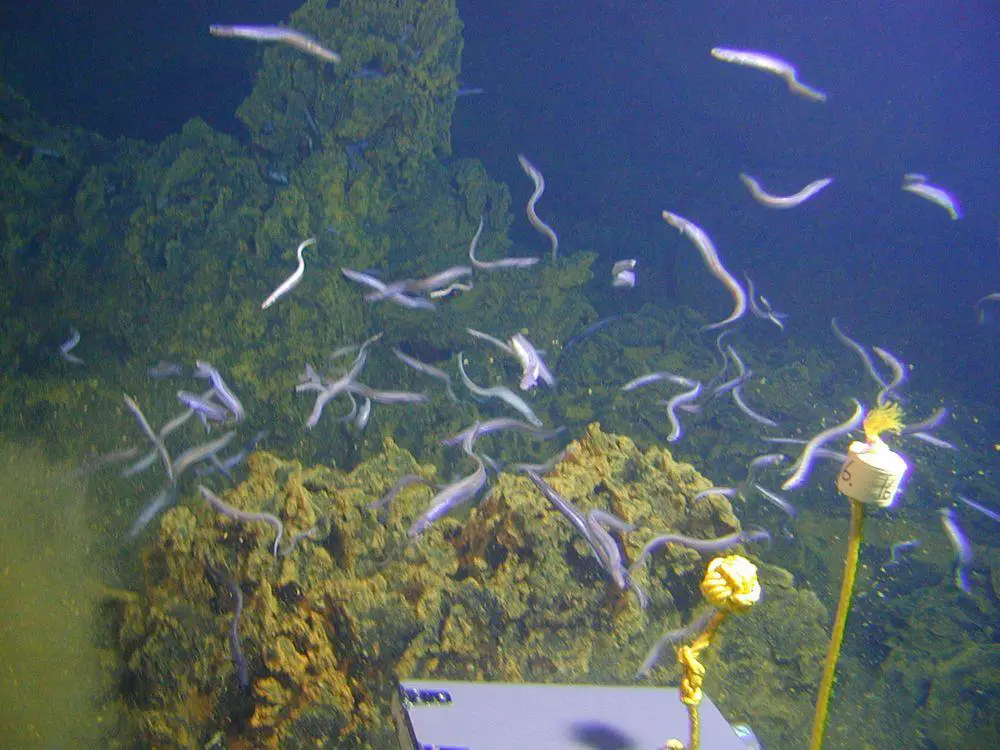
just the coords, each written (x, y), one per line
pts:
(839, 623)
(730, 585)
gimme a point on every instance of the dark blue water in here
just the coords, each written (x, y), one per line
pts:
(626, 113)
(624, 110)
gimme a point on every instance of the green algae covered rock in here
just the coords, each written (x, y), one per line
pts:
(764, 668)
(166, 251)
(46, 269)
(504, 591)
(964, 699)
(393, 92)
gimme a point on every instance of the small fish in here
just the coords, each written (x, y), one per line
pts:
(369, 74)
(292, 281)
(291, 37)
(653, 377)
(960, 543)
(625, 279)
(67, 347)
(777, 500)
(203, 452)
(164, 369)
(163, 498)
(896, 549)
(712, 261)
(454, 494)
(532, 364)
(702, 546)
(404, 300)
(458, 286)
(980, 305)
(918, 185)
(781, 201)
(981, 508)
(760, 306)
(536, 177)
(501, 392)
(746, 736)
(898, 375)
(737, 392)
(329, 390)
(602, 545)
(804, 463)
(933, 440)
(364, 413)
(502, 423)
(673, 404)
(430, 284)
(426, 369)
(386, 397)
(769, 64)
(623, 273)
(501, 345)
(205, 409)
(243, 516)
(490, 265)
(278, 178)
(222, 391)
(860, 350)
(155, 439)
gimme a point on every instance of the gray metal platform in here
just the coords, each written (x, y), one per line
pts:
(446, 715)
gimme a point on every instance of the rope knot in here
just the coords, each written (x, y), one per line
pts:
(730, 583)
(694, 674)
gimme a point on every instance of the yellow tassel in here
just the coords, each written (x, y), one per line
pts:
(885, 418)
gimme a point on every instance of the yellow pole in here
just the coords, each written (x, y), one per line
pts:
(839, 623)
